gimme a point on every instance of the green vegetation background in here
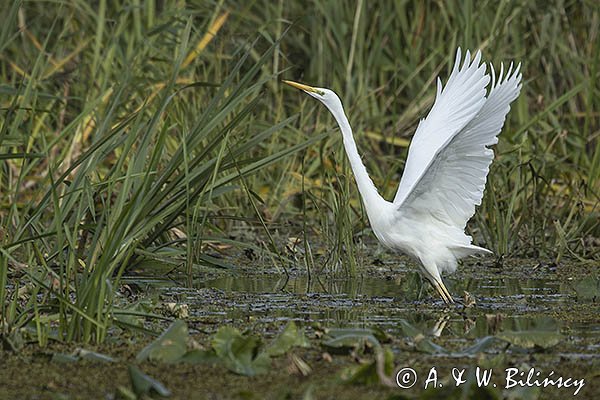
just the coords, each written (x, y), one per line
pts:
(154, 130)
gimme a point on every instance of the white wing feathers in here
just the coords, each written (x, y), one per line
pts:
(454, 106)
(447, 170)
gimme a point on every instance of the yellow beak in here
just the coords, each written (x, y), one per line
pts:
(306, 88)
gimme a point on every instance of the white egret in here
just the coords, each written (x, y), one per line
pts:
(446, 169)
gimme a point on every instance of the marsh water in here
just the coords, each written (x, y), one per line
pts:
(492, 298)
(521, 295)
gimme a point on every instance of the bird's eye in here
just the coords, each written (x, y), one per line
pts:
(320, 92)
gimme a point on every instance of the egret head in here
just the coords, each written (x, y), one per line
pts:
(325, 96)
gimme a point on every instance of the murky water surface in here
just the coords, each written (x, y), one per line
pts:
(522, 299)
(511, 298)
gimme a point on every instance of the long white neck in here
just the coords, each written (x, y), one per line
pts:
(371, 198)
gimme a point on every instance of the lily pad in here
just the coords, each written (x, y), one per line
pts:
(291, 336)
(81, 354)
(88, 355)
(422, 342)
(480, 346)
(351, 338)
(197, 356)
(370, 372)
(143, 384)
(240, 354)
(169, 347)
(426, 345)
(531, 339)
(408, 329)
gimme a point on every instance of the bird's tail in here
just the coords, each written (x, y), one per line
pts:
(469, 250)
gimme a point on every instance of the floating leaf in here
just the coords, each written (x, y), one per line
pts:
(143, 384)
(422, 343)
(169, 347)
(290, 337)
(369, 333)
(531, 339)
(197, 356)
(133, 316)
(408, 329)
(426, 345)
(88, 355)
(351, 338)
(480, 346)
(370, 372)
(240, 354)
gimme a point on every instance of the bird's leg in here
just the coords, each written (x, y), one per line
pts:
(438, 284)
(441, 288)
(430, 271)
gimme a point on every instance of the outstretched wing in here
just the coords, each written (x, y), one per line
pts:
(455, 105)
(452, 183)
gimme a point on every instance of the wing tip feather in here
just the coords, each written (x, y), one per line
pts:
(467, 75)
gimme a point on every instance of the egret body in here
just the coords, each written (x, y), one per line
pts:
(445, 173)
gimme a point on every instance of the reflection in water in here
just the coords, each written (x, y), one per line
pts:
(301, 285)
(408, 286)
(503, 303)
